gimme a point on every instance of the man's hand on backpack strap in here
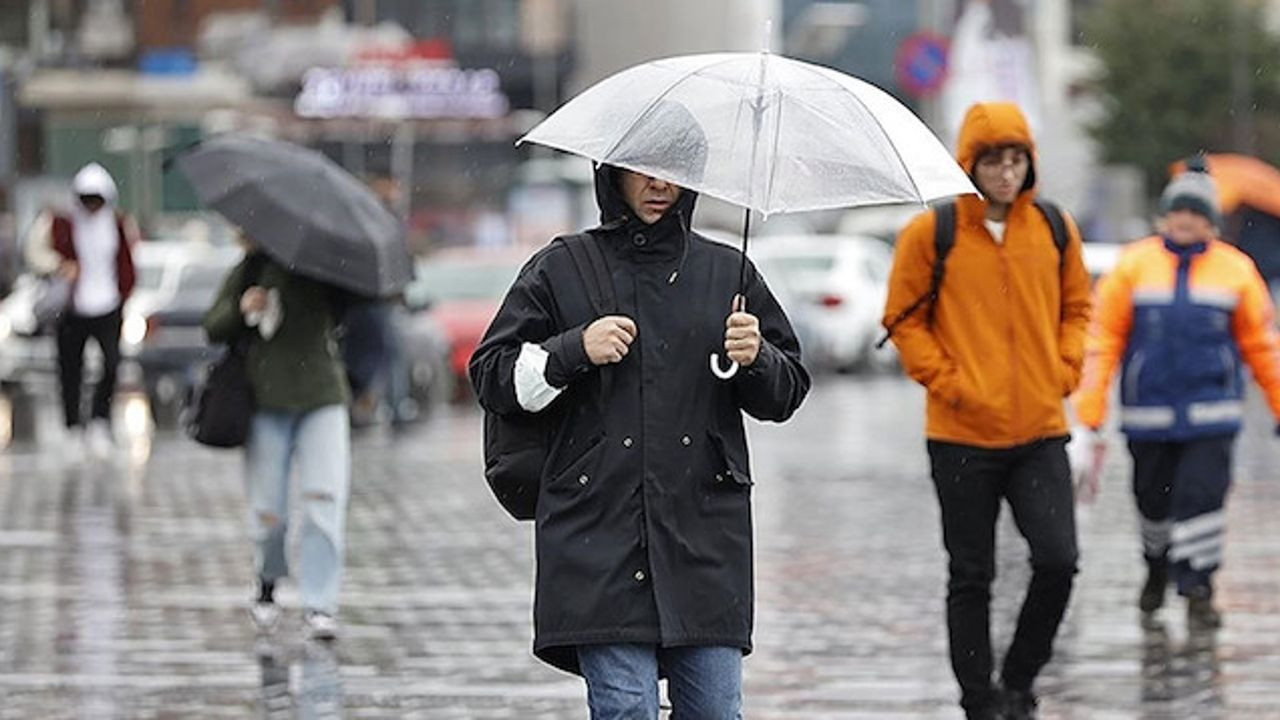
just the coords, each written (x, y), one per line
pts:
(608, 339)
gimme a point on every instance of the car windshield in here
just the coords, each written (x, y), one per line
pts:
(197, 286)
(149, 277)
(438, 281)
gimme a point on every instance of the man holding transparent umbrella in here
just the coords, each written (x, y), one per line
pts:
(643, 515)
(644, 537)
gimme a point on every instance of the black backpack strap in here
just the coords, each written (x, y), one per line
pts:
(944, 238)
(596, 278)
(1057, 226)
(593, 270)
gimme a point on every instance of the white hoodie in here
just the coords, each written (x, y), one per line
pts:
(97, 242)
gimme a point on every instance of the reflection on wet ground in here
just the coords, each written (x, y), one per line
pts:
(123, 587)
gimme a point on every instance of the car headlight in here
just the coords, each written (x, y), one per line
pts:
(134, 330)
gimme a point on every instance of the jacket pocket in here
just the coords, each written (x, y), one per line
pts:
(581, 471)
(728, 462)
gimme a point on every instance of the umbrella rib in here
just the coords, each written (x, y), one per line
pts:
(662, 95)
(773, 156)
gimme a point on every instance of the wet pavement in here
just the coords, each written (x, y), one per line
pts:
(123, 586)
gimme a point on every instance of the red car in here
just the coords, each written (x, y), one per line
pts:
(462, 289)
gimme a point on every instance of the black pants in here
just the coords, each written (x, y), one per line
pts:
(1180, 488)
(1036, 481)
(73, 333)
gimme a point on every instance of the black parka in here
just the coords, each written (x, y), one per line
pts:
(643, 529)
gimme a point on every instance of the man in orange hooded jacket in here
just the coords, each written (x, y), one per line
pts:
(998, 351)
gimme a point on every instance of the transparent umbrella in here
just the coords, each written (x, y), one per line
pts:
(759, 130)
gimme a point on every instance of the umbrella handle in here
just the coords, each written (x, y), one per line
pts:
(723, 374)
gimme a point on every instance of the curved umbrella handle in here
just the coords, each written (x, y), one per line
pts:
(723, 374)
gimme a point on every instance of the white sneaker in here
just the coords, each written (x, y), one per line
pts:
(265, 615)
(99, 440)
(320, 626)
(74, 448)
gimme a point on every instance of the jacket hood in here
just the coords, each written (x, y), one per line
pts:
(989, 125)
(93, 179)
(615, 214)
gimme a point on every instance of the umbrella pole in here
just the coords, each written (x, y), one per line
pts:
(742, 273)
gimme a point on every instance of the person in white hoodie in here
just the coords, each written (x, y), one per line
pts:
(91, 245)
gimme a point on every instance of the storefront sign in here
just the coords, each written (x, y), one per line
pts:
(401, 92)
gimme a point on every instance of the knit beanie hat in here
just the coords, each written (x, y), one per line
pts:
(1193, 190)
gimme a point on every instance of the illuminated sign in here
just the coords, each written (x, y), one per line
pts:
(401, 92)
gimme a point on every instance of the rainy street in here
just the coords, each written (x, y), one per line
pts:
(124, 586)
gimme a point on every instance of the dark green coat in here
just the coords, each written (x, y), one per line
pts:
(300, 367)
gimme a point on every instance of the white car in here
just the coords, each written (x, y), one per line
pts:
(833, 288)
(1100, 258)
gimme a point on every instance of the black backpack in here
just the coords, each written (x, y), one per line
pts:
(516, 446)
(944, 238)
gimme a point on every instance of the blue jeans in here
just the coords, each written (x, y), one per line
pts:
(704, 683)
(319, 443)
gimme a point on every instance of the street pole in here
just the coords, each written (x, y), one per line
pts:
(1242, 132)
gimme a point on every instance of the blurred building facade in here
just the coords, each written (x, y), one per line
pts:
(434, 93)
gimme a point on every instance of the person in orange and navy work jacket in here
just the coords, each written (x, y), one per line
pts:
(1180, 312)
(999, 351)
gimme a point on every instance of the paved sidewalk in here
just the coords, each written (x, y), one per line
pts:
(123, 587)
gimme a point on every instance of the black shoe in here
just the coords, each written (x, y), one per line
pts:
(1201, 614)
(1152, 597)
(1019, 705)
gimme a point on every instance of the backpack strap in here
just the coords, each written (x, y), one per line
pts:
(944, 238)
(1057, 226)
(593, 270)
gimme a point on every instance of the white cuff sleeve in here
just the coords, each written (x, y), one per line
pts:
(532, 390)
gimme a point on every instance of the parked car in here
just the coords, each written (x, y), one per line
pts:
(1100, 257)
(833, 288)
(461, 290)
(165, 336)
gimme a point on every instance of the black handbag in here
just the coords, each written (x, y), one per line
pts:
(222, 407)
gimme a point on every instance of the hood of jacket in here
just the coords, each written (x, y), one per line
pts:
(667, 237)
(989, 125)
(93, 179)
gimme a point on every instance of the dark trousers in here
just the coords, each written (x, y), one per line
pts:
(73, 334)
(1180, 488)
(1036, 481)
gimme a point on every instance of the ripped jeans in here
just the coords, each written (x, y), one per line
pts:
(319, 443)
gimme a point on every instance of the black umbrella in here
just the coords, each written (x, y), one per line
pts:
(303, 210)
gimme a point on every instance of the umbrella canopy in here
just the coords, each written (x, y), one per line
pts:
(1242, 180)
(303, 210)
(759, 130)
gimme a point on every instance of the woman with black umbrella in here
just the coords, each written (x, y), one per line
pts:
(301, 397)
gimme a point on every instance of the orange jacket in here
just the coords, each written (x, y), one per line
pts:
(1202, 309)
(1007, 341)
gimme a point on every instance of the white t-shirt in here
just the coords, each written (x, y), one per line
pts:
(97, 242)
(996, 228)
